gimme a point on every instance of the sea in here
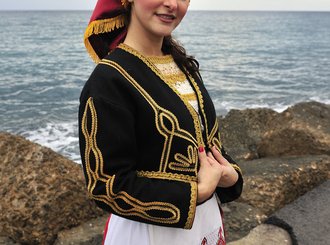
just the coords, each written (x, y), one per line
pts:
(247, 60)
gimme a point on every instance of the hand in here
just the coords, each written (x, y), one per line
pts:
(229, 175)
(209, 175)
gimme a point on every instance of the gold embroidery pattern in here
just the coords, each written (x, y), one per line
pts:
(168, 176)
(161, 59)
(192, 207)
(216, 142)
(201, 102)
(191, 96)
(193, 189)
(186, 163)
(212, 135)
(96, 175)
(161, 114)
(191, 110)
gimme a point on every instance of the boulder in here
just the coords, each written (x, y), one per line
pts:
(242, 130)
(302, 129)
(6, 241)
(308, 216)
(240, 218)
(265, 234)
(41, 192)
(271, 183)
(89, 233)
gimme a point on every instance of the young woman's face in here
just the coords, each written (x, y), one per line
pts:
(157, 18)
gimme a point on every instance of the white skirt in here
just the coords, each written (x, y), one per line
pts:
(207, 229)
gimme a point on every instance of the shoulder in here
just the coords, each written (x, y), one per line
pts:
(108, 78)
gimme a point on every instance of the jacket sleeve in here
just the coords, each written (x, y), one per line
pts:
(108, 151)
(228, 194)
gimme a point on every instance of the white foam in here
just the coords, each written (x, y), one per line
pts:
(60, 137)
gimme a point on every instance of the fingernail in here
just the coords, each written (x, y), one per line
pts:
(201, 149)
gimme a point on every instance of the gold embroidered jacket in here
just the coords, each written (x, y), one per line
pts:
(139, 141)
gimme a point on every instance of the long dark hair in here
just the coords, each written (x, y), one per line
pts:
(182, 59)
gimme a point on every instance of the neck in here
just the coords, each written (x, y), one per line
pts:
(147, 45)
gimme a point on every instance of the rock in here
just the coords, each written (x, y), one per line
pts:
(271, 183)
(309, 216)
(89, 233)
(241, 131)
(239, 219)
(41, 192)
(282, 155)
(302, 129)
(265, 235)
(6, 241)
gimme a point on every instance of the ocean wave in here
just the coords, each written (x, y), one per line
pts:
(60, 137)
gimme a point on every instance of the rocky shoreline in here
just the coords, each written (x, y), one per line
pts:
(284, 157)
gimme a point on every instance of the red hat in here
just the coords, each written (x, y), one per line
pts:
(107, 28)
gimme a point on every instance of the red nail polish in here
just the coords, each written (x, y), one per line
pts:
(201, 149)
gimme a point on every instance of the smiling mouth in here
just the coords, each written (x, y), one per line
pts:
(166, 16)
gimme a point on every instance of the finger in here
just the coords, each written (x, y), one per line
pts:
(218, 156)
(209, 154)
(202, 155)
(211, 159)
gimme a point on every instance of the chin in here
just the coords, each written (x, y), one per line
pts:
(165, 33)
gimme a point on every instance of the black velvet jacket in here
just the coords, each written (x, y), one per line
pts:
(139, 141)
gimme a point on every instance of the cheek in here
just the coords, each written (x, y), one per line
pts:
(147, 5)
(182, 10)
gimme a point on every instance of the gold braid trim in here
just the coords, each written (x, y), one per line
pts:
(161, 59)
(191, 96)
(167, 176)
(192, 180)
(98, 27)
(192, 111)
(192, 207)
(96, 174)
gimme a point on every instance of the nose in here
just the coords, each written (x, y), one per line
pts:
(171, 4)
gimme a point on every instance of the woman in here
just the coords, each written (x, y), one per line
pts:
(149, 136)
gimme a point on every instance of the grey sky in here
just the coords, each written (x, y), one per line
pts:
(307, 5)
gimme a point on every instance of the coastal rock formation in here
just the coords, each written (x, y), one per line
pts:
(41, 192)
(282, 155)
(302, 129)
(271, 183)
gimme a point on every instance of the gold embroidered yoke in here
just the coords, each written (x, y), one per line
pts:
(139, 136)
